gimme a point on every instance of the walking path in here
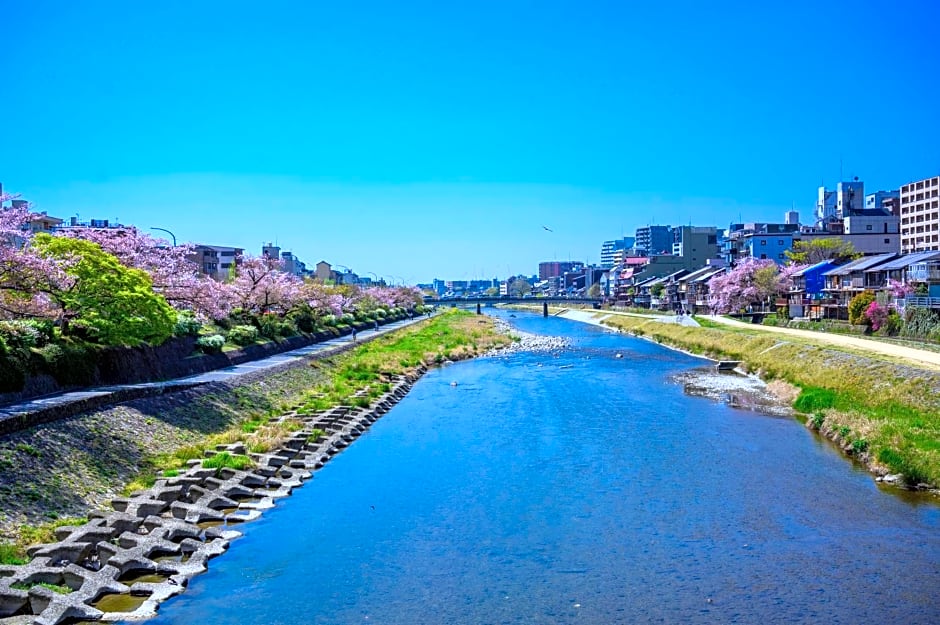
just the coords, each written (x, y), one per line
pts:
(76, 401)
(920, 357)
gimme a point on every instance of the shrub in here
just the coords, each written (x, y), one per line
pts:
(304, 319)
(920, 322)
(243, 335)
(12, 376)
(857, 307)
(892, 324)
(70, 364)
(347, 319)
(859, 446)
(18, 333)
(211, 344)
(273, 327)
(186, 325)
(330, 320)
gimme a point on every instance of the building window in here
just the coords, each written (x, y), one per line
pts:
(887, 241)
(763, 242)
(868, 227)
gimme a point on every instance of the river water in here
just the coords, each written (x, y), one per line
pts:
(578, 488)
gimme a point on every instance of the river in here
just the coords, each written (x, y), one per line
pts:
(578, 488)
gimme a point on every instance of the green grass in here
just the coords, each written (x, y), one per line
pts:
(12, 554)
(226, 460)
(451, 335)
(814, 399)
(62, 590)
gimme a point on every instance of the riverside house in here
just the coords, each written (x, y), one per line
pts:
(846, 281)
(806, 296)
(693, 289)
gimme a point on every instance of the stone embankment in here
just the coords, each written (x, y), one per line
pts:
(122, 564)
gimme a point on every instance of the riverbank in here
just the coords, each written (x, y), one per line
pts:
(66, 468)
(267, 434)
(883, 413)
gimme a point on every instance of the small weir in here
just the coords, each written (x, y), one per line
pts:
(116, 565)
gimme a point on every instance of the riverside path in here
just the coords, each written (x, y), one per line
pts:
(51, 407)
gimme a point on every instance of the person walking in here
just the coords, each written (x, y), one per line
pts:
(354, 335)
(375, 325)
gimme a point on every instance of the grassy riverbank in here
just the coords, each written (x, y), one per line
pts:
(66, 468)
(886, 414)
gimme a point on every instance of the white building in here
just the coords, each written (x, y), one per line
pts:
(920, 215)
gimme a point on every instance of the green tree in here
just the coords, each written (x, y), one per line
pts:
(858, 306)
(115, 304)
(657, 289)
(594, 290)
(814, 251)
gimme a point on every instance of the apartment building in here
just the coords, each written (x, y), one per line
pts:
(920, 215)
(215, 261)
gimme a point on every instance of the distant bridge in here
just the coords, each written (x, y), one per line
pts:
(462, 302)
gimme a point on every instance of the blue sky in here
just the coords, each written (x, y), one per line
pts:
(431, 139)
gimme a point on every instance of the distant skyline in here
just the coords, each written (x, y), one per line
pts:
(422, 140)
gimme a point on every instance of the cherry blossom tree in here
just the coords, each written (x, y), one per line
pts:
(261, 286)
(753, 281)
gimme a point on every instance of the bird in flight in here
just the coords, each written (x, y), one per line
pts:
(547, 228)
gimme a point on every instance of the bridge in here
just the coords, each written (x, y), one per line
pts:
(463, 302)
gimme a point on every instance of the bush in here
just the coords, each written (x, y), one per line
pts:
(12, 376)
(892, 324)
(186, 325)
(347, 319)
(19, 333)
(304, 319)
(211, 344)
(70, 364)
(274, 327)
(243, 335)
(858, 306)
(920, 323)
(330, 320)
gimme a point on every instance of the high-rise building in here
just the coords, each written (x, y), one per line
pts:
(609, 250)
(847, 199)
(920, 215)
(556, 269)
(695, 244)
(653, 240)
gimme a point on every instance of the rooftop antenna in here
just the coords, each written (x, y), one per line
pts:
(841, 176)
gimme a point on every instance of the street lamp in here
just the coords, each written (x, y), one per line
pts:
(168, 232)
(374, 276)
(347, 269)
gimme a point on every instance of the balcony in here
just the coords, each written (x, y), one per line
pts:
(923, 275)
(922, 302)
